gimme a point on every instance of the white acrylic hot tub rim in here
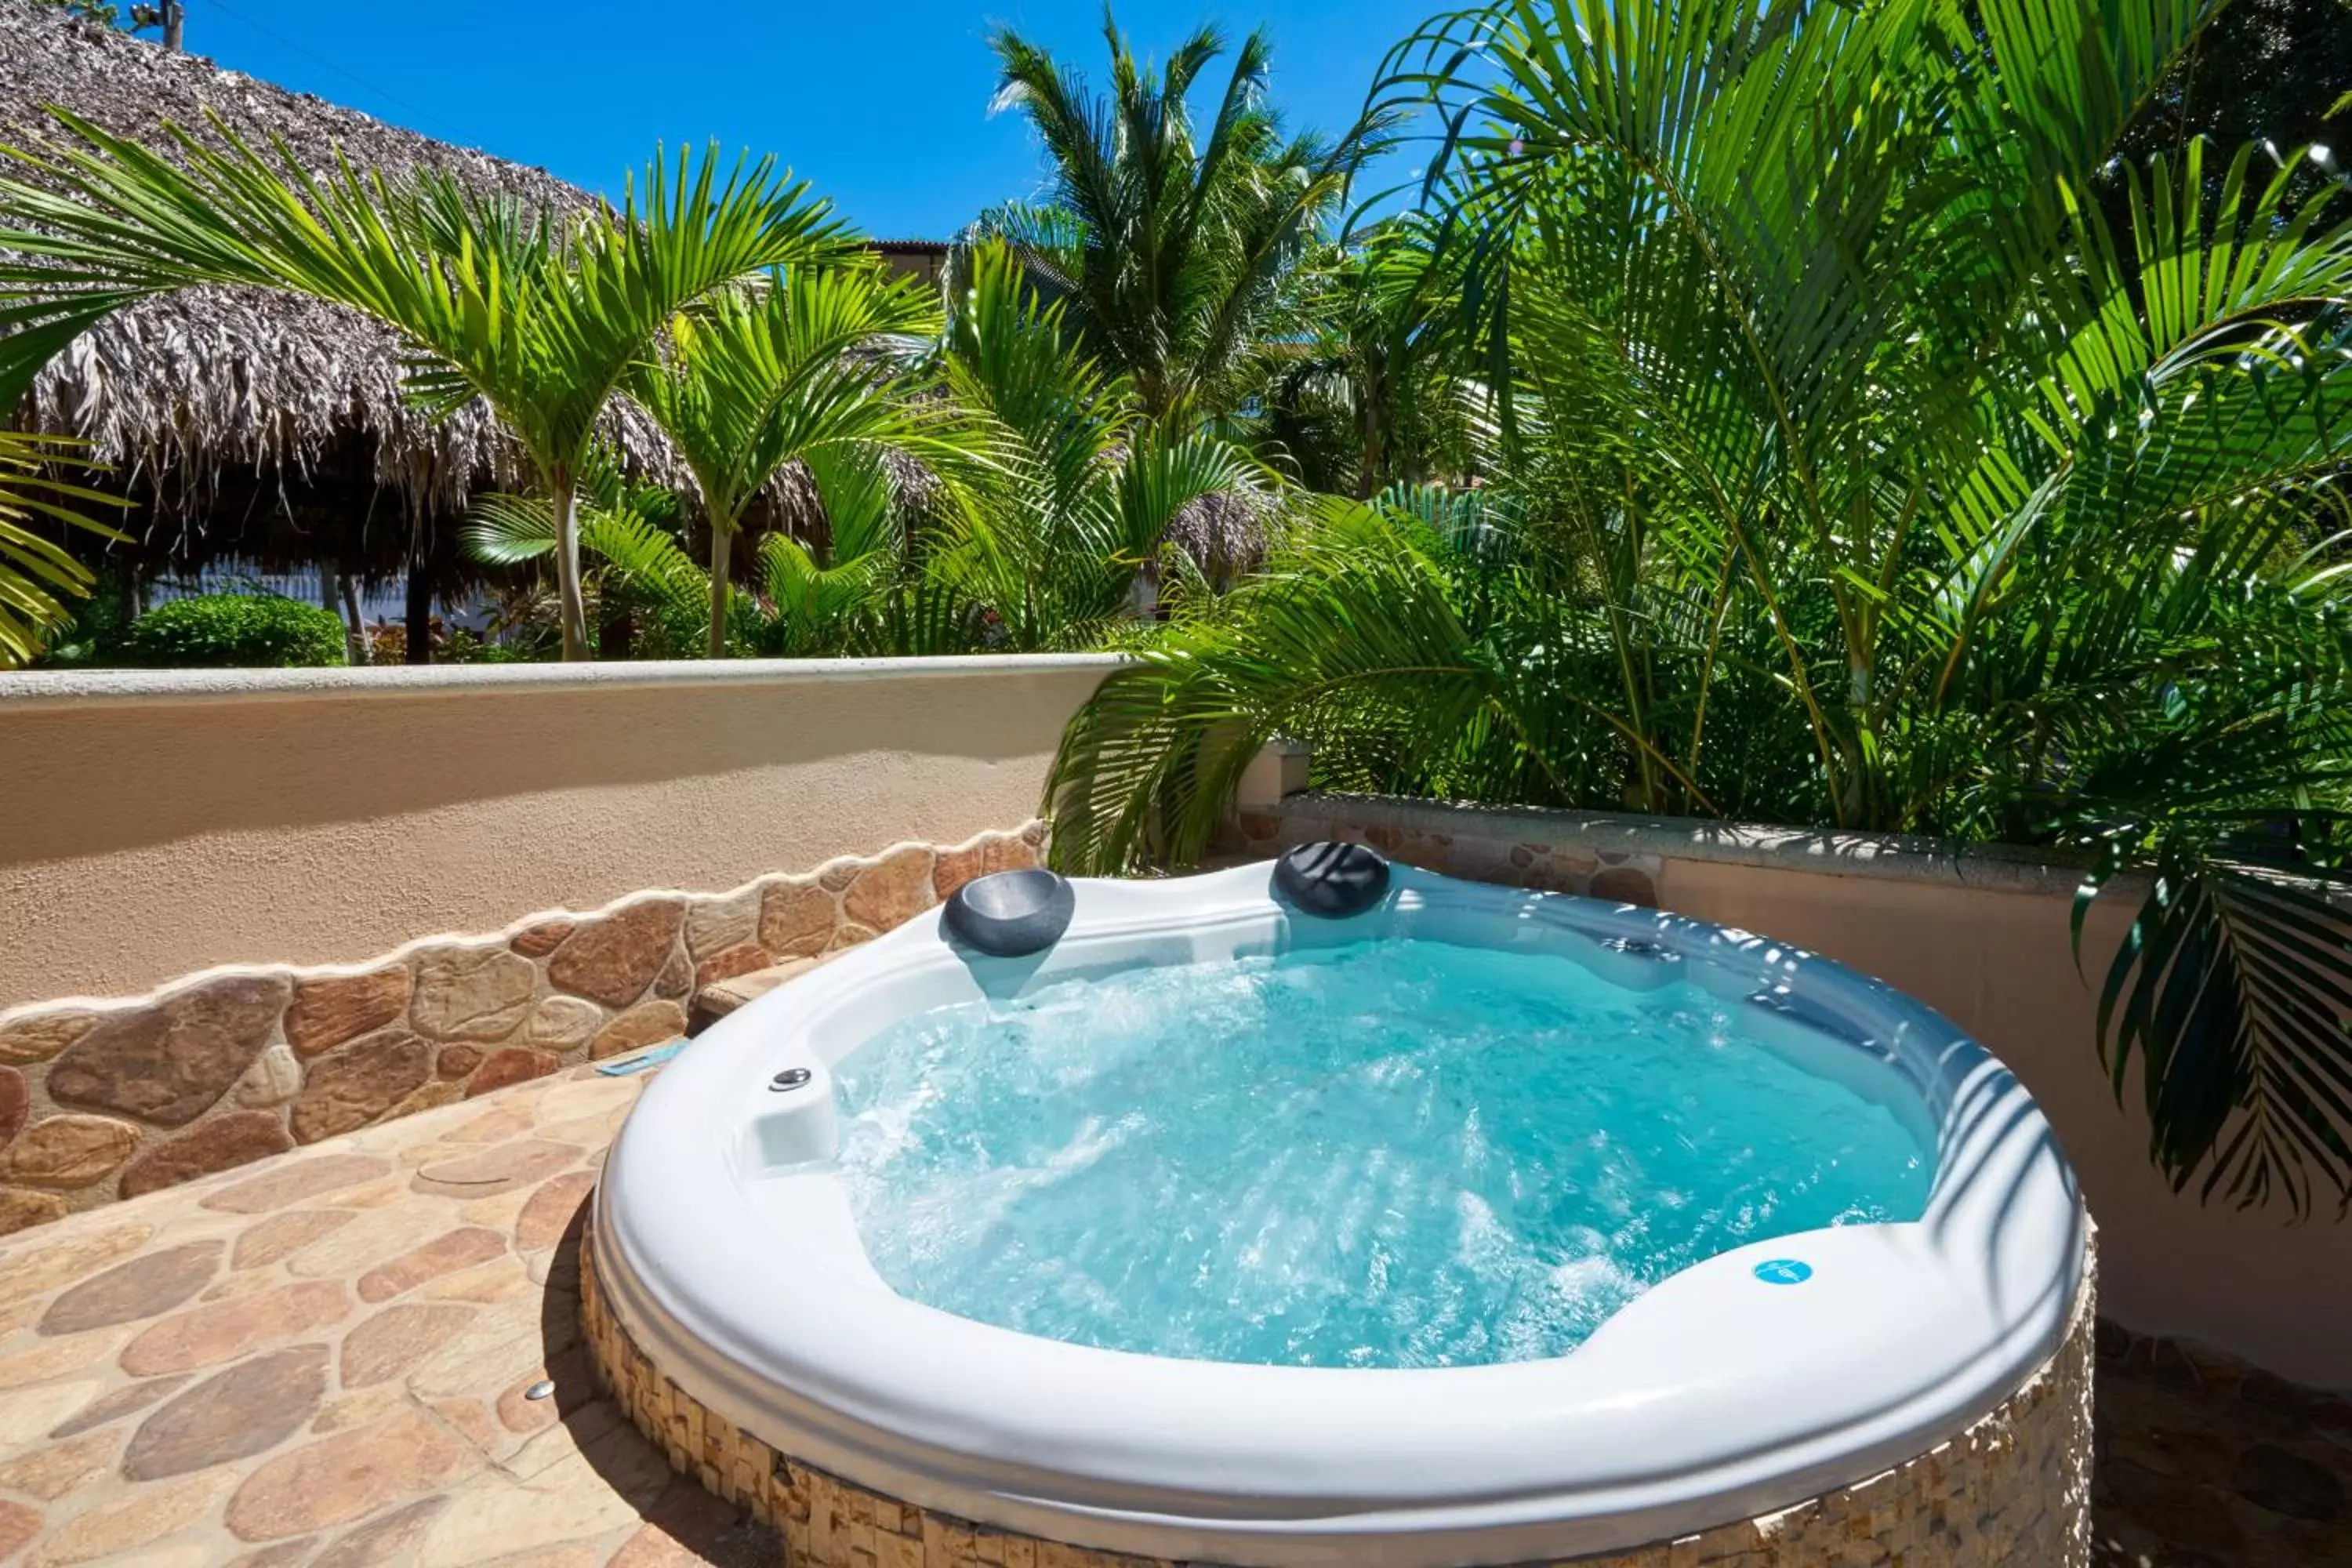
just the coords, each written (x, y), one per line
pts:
(1713, 1398)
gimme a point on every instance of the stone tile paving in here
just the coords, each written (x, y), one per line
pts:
(324, 1359)
(2203, 1464)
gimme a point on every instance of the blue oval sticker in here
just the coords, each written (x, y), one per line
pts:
(1784, 1271)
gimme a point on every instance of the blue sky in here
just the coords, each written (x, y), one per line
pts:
(883, 105)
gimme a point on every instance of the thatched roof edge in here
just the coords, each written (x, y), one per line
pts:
(175, 390)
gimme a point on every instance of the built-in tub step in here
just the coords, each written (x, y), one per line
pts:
(720, 997)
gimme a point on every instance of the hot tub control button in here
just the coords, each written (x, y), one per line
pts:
(1784, 1271)
(790, 1079)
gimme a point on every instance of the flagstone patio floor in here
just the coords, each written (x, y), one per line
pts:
(327, 1359)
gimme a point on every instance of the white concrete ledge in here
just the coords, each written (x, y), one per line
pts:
(79, 688)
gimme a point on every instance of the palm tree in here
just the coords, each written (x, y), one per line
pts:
(1171, 248)
(1065, 539)
(1367, 396)
(540, 315)
(1849, 468)
(35, 570)
(802, 368)
(1048, 497)
(861, 590)
(631, 533)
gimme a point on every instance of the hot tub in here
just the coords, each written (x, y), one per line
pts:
(1899, 1386)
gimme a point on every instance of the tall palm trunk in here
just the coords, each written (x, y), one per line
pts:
(722, 553)
(332, 584)
(355, 624)
(573, 610)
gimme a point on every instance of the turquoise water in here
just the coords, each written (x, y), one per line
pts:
(1397, 1153)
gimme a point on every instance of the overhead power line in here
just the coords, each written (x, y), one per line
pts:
(385, 94)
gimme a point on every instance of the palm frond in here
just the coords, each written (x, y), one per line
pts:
(37, 574)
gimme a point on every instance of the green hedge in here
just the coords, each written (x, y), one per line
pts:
(233, 631)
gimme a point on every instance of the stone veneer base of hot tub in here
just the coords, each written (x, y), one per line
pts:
(2013, 1488)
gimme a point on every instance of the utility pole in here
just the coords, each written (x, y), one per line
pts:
(172, 16)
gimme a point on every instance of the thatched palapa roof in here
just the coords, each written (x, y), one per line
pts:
(175, 390)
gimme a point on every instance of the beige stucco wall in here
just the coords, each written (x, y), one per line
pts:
(155, 825)
(1982, 938)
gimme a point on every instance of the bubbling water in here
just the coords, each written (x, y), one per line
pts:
(1399, 1153)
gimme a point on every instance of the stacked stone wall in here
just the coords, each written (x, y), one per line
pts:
(101, 1100)
(1618, 876)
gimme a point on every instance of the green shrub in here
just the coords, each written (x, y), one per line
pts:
(464, 646)
(226, 631)
(94, 634)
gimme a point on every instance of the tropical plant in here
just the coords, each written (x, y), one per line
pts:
(1172, 248)
(167, 15)
(871, 585)
(235, 631)
(1071, 530)
(540, 315)
(1370, 395)
(803, 599)
(631, 533)
(36, 572)
(804, 366)
(1850, 467)
(102, 12)
(851, 593)
(1043, 506)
